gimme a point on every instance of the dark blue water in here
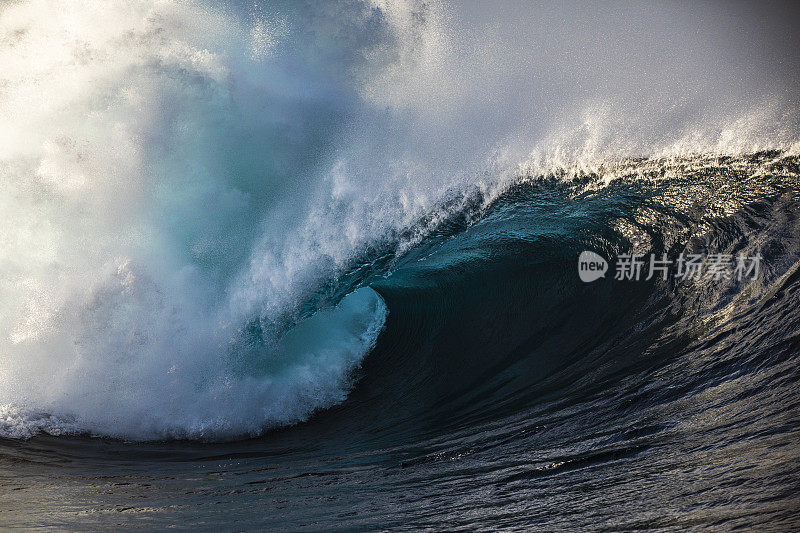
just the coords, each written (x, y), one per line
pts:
(506, 393)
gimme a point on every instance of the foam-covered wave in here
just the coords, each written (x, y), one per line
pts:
(311, 367)
(158, 171)
(194, 197)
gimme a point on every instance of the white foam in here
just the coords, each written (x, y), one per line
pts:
(138, 167)
(140, 393)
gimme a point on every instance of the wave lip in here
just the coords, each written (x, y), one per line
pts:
(311, 367)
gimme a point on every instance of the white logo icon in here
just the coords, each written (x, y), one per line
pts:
(591, 266)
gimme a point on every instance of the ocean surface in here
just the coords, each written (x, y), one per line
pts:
(315, 267)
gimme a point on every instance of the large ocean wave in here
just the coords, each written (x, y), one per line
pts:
(199, 204)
